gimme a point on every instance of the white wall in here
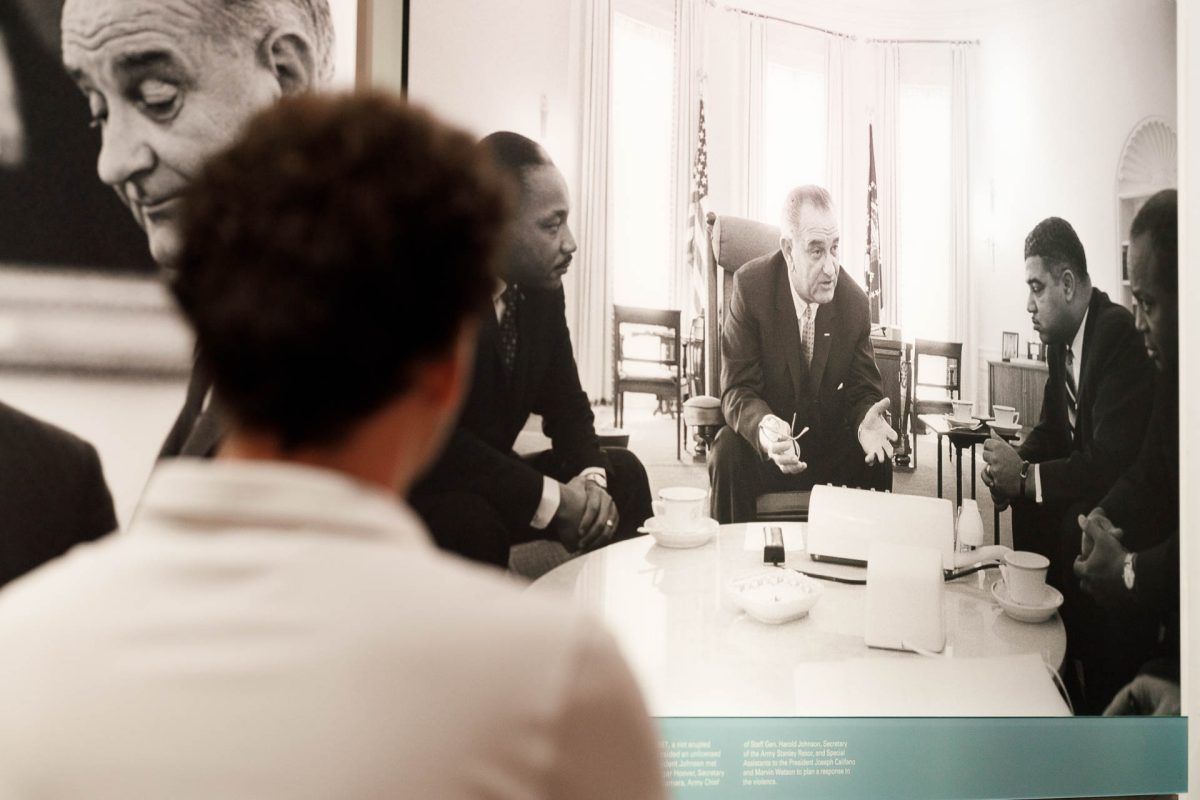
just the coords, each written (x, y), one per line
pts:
(501, 65)
(125, 419)
(1189, 334)
(1061, 87)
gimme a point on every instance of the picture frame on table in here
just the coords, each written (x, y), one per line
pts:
(1010, 345)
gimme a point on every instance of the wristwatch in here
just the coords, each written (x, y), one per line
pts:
(1128, 574)
(599, 479)
(1024, 475)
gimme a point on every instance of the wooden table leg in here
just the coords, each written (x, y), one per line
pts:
(958, 479)
(972, 472)
(939, 447)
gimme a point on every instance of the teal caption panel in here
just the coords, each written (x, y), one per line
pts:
(766, 758)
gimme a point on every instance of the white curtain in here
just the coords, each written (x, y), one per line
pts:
(962, 70)
(836, 144)
(689, 75)
(593, 300)
(887, 84)
(756, 41)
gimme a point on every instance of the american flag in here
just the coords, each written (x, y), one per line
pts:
(696, 213)
(874, 272)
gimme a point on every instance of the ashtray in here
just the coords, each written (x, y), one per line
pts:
(775, 596)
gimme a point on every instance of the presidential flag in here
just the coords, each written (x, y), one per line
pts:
(874, 272)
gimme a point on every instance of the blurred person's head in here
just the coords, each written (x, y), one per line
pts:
(1057, 276)
(169, 82)
(334, 262)
(1153, 277)
(540, 241)
(809, 241)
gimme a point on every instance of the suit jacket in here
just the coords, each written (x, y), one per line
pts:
(763, 370)
(1145, 502)
(52, 493)
(197, 429)
(479, 457)
(1116, 384)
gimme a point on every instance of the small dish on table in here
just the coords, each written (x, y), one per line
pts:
(680, 535)
(1023, 612)
(1011, 429)
(775, 596)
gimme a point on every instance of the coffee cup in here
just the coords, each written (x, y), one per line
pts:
(680, 505)
(1006, 415)
(962, 408)
(1025, 576)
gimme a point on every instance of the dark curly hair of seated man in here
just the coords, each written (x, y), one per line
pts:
(341, 241)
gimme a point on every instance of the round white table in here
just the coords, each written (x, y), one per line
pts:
(696, 654)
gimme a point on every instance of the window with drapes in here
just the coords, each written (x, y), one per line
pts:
(923, 159)
(641, 151)
(794, 111)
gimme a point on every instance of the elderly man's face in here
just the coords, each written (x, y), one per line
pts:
(165, 95)
(811, 252)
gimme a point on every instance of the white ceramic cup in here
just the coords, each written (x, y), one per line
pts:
(962, 408)
(1006, 415)
(680, 505)
(1025, 576)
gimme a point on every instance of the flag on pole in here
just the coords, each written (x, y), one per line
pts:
(874, 272)
(695, 256)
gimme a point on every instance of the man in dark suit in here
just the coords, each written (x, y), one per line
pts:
(1094, 410)
(796, 343)
(480, 498)
(1130, 551)
(54, 493)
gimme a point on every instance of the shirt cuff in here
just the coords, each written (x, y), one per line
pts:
(1037, 482)
(595, 470)
(548, 505)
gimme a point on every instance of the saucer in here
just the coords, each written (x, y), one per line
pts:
(673, 535)
(775, 596)
(1008, 430)
(1025, 613)
(957, 423)
(983, 417)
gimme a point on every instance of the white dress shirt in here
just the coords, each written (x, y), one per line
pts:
(551, 498)
(1076, 367)
(277, 631)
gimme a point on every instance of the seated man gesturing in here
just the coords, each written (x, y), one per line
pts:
(796, 344)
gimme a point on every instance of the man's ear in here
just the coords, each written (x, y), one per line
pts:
(1070, 284)
(785, 246)
(290, 56)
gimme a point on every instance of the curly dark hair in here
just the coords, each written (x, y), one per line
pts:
(339, 242)
(1055, 242)
(1159, 218)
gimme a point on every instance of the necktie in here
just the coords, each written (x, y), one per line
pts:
(1072, 391)
(807, 335)
(511, 298)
